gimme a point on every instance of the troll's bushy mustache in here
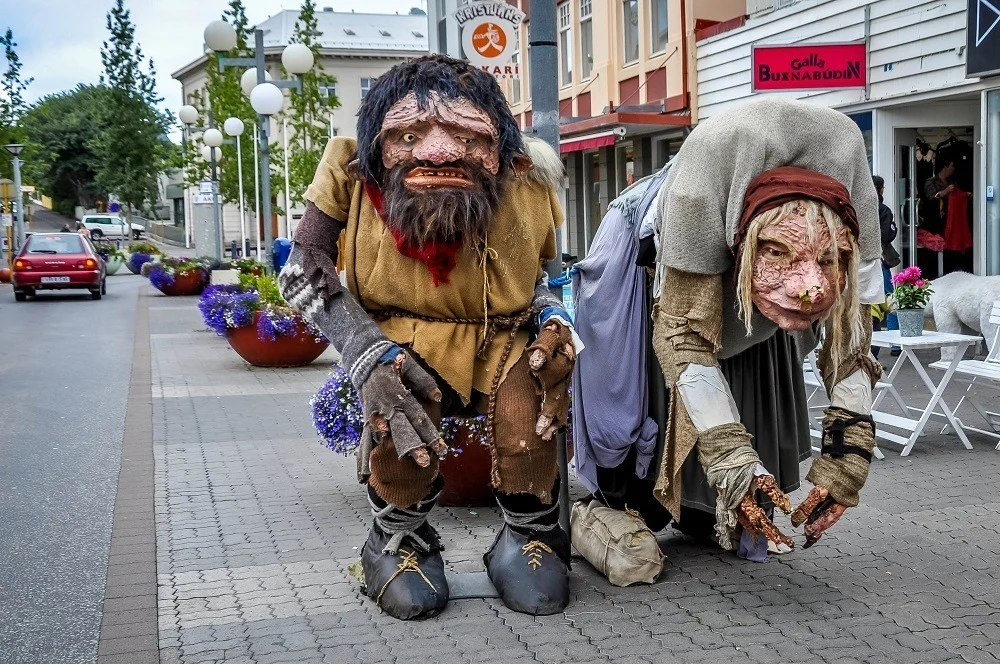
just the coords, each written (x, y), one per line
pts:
(441, 214)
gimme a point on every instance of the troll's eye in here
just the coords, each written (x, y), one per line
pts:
(774, 253)
(409, 137)
(466, 139)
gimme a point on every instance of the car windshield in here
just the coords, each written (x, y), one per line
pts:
(55, 244)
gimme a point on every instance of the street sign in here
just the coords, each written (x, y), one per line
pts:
(6, 219)
(206, 187)
(27, 188)
(489, 35)
(202, 199)
(982, 38)
(809, 66)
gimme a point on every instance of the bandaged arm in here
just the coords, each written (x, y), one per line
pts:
(309, 282)
(850, 374)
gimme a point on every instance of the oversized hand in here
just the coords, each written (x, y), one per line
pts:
(819, 511)
(551, 359)
(393, 412)
(753, 518)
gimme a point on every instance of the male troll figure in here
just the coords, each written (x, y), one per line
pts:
(447, 221)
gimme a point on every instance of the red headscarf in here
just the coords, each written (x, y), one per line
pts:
(784, 184)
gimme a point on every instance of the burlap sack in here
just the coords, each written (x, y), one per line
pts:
(617, 543)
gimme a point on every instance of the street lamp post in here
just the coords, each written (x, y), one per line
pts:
(15, 149)
(234, 128)
(213, 139)
(297, 59)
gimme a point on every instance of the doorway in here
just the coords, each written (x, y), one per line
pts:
(935, 175)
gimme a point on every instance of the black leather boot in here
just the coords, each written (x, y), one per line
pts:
(529, 560)
(404, 572)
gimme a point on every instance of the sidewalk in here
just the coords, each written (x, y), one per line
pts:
(256, 523)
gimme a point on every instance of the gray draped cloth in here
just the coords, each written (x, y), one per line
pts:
(610, 395)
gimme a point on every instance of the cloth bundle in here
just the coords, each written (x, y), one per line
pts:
(618, 544)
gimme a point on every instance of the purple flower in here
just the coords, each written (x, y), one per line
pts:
(160, 277)
(273, 323)
(228, 307)
(137, 260)
(336, 412)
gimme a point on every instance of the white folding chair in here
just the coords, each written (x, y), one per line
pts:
(981, 373)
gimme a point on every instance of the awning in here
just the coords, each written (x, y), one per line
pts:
(588, 142)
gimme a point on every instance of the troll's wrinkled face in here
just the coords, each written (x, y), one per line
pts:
(441, 163)
(798, 271)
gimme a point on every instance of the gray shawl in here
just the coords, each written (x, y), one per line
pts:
(717, 162)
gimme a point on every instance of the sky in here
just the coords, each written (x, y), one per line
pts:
(59, 41)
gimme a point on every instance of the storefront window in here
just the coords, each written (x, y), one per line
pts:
(991, 180)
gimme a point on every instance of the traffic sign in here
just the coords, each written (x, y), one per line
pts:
(6, 219)
(206, 187)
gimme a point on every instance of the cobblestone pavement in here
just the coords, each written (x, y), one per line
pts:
(257, 523)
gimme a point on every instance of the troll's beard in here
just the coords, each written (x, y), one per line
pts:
(441, 214)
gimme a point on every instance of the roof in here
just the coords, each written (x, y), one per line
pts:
(348, 30)
(370, 35)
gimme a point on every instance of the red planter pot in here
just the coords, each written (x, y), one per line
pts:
(191, 282)
(292, 351)
(467, 473)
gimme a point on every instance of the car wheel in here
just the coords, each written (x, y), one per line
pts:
(95, 294)
(136, 235)
(20, 297)
(96, 234)
(104, 286)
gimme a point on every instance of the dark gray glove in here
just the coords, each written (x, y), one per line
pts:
(392, 411)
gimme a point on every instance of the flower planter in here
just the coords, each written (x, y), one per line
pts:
(295, 350)
(133, 268)
(911, 322)
(113, 264)
(191, 282)
(466, 469)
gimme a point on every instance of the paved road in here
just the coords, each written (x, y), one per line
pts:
(65, 363)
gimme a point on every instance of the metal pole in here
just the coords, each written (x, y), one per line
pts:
(256, 192)
(188, 205)
(265, 158)
(19, 220)
(288, 202)
(239, 174)
(544, 69)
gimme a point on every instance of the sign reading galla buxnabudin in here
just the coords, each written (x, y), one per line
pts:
(489, 36)
(809, 66)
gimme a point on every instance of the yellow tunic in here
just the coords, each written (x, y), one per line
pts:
(503, 277)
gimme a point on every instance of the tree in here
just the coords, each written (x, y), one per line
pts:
(62, 132)
(12, 104)
(133, 146)
(308, 115)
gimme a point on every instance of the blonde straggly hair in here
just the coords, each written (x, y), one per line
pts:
(846, 310)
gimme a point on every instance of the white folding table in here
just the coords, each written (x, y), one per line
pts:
(927, 341)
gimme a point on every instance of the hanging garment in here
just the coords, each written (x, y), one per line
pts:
(957, 234)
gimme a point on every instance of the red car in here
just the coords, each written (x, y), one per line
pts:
(57, 261)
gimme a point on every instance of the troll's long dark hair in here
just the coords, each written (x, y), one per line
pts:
(448, 77)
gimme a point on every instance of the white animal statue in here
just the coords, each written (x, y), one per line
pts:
(961, 303)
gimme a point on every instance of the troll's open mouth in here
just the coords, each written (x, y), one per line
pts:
(425, 177)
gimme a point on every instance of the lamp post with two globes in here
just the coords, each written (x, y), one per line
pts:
(211, 151)
(266, 96)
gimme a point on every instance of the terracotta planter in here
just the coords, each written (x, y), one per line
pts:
(191, 282)
(291, 351)
(467, 473)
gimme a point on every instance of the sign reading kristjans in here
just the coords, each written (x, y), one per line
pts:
(809, 66)
(489, 35)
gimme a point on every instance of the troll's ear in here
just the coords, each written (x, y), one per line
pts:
(354, 169)
(522, 165)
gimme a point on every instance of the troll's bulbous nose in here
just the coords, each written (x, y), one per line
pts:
(438, 147)
(806, 282)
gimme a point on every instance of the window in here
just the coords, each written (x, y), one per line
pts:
(658, 24)
(54, 244)
(565, 46)
(366, 85)
(586, 40)
(515, 58)
(630, 21)
(328, 93)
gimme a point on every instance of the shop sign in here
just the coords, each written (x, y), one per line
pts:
(809, 66)
(983, 38)
(202, 199)
(489, 35)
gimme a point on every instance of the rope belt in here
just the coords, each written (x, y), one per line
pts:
(493, 323)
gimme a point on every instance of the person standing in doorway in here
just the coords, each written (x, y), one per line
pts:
(890, 257)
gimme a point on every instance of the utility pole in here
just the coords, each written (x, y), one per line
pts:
(264, 126)
(544, 69)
